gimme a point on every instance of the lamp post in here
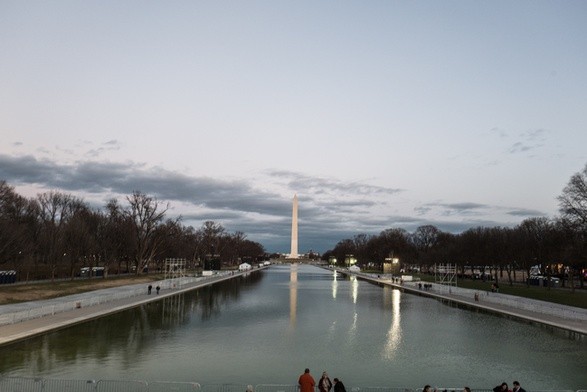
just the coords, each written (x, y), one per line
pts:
(332, 261)
(350, 260)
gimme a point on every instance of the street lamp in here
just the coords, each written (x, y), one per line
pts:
(350, 260)
(332, 260)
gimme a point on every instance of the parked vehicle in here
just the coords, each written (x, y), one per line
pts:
(96, 271)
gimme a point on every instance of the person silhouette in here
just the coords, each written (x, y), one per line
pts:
(306, 382)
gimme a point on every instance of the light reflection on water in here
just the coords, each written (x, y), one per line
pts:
(269, 326)
(394, 334)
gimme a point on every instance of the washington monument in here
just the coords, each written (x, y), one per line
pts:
(294, 229)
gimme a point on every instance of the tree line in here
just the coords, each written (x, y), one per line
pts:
(557, 245)
(55, 234)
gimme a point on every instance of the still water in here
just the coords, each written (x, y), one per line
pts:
(266, 327)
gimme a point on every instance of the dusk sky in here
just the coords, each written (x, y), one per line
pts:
(377, 114)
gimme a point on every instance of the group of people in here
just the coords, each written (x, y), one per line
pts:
(503, 387)
(307, 384)
(150, 287)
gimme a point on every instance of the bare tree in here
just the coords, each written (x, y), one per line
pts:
(425, 239)
(115, 237)
(573, 200)
(573, 209)
(15, 217)
(55, 210)
(80, 238)
(146, 214)
(535, 236)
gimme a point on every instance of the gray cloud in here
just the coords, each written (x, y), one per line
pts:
(448, 209)
(124, 178)
(499, 132)
(526, 213)
(530, 140)
(330, 210)
(323, 185)
(466, 206)
(520, 147)
(111, 145)
(230, 202)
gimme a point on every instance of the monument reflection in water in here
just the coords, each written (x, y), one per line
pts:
(265, 328)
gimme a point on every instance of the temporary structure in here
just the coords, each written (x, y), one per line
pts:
(244, 267)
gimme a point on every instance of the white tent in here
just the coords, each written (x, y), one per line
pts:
(244, 267)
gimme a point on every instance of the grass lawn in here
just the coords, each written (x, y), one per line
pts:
(14, 293)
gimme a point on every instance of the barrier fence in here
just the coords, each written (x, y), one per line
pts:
(22, 384)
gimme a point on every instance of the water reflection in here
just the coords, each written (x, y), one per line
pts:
(261, 328)
(293, 295)
(394, 334)
(127, 334)
(354, 288)
(354, 296)
(334, 284)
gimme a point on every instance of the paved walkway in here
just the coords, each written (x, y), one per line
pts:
(576, 325)
(11, 333)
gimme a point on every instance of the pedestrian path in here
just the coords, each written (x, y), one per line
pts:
(563, 317)
(18, 331)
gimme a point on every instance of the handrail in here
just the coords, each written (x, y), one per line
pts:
(31, 384)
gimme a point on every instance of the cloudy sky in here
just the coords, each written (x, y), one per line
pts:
(378, 114)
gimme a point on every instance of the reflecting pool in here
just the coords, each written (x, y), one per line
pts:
(266, 327)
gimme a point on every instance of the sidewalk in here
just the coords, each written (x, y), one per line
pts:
(18, 331)
(574, 320)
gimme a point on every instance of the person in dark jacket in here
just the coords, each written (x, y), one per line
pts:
(518, 387)
(502, 388)
(339, 386)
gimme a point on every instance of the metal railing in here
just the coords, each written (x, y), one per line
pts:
(23, 384)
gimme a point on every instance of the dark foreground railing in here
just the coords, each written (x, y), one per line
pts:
(23, 384)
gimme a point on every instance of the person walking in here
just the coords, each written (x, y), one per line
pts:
(149, 289)
(157, 288)
(339, 386)
(324, 385)
(306, 382)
